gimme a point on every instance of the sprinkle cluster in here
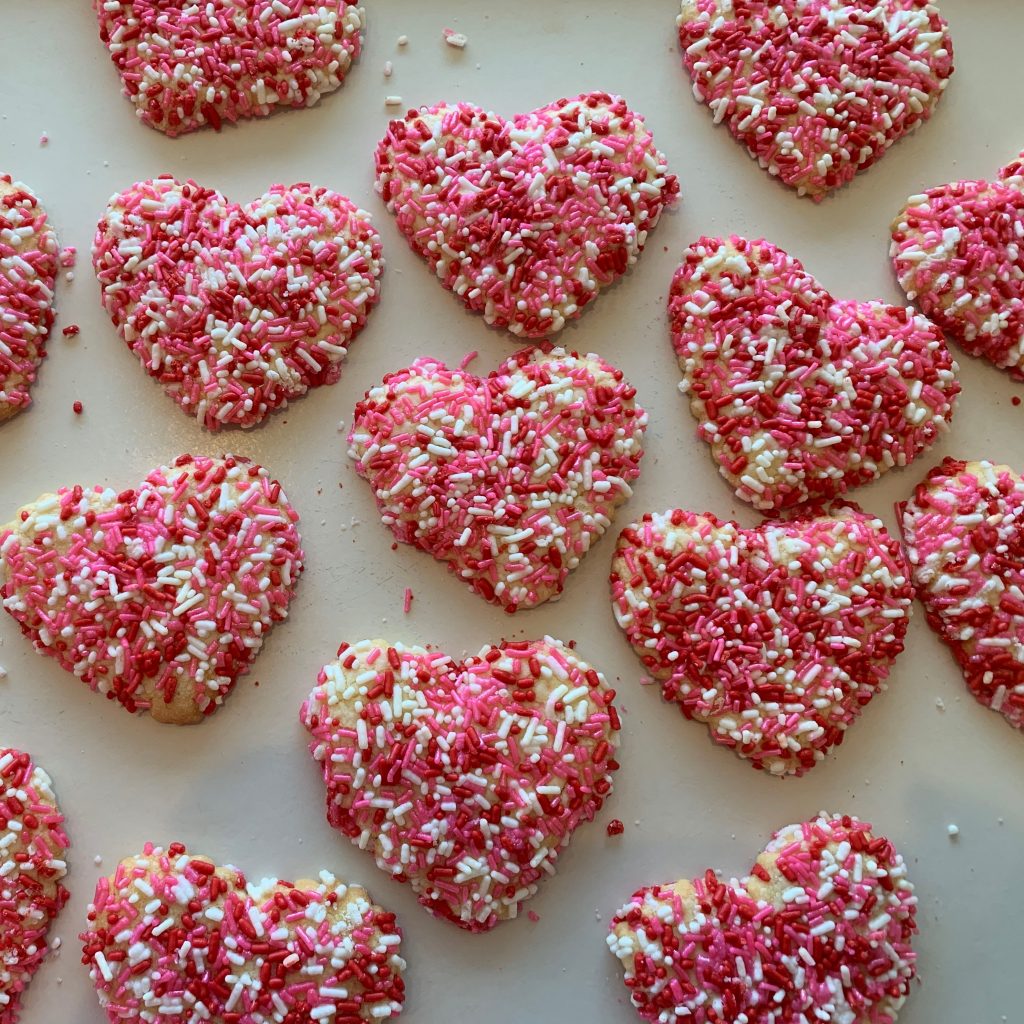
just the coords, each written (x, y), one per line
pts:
(775, 637)
(185, 65)
(235, 310)
(160, 596)
(817, 90)
(508, 478)
(28, 270)
(32, 847)
(174, 939)
(964, 533)
(463, 779)
(819, 931)
(958, 251)
(801, 396)
(526, 220)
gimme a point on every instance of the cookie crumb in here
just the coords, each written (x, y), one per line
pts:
(456, 39)
(403, 40)
(615, 827)
(71, 331)
(953, 830)
(940, 703)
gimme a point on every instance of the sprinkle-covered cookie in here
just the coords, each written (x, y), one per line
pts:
(32, 865)
(964, 534)
(172, 938)
(464, 779)
(160, 596)
(526, 220)
(236, 310)
(801, 397)
(958, 251)
(820, 930)
(508, 478)
(185, 65)
(28, 271)
(777, 637)
(817, 90)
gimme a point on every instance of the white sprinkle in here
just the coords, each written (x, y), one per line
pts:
(953, 830)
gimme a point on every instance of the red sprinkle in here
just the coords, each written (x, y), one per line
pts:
(71, 331)
(78, 407)
(615, 827)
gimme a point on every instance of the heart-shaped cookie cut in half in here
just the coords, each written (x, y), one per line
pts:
(508, 478)
(526, 220)
(964, 535)
(32, 848)
(160, 596)
(958, 252)
(464, 779)
(172, 937)
(28, 272)
(817, 90)
(777, 637)
(236, 310)
(185, 65)
(801, 397)
(821, 929)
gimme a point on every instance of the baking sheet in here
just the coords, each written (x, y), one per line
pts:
(241, 787)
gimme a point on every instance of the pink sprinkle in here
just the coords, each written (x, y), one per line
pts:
(407, 603)
(533, 916)
(68, 255)
(456, 39)
(44, 139)
(467, 359)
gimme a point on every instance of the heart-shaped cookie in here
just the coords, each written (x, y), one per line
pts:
(160, 596)
(958, 251)
(175, 939)
(32, 848)
(28, 270)
(964, 534)
(464, 779)
(801, 396)
(185, 65)
(236, 310)
(817, 90)
(776, 637)
(820, 930)
(508, 478)
(526, 220)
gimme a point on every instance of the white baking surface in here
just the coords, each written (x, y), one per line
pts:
(241, 787)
